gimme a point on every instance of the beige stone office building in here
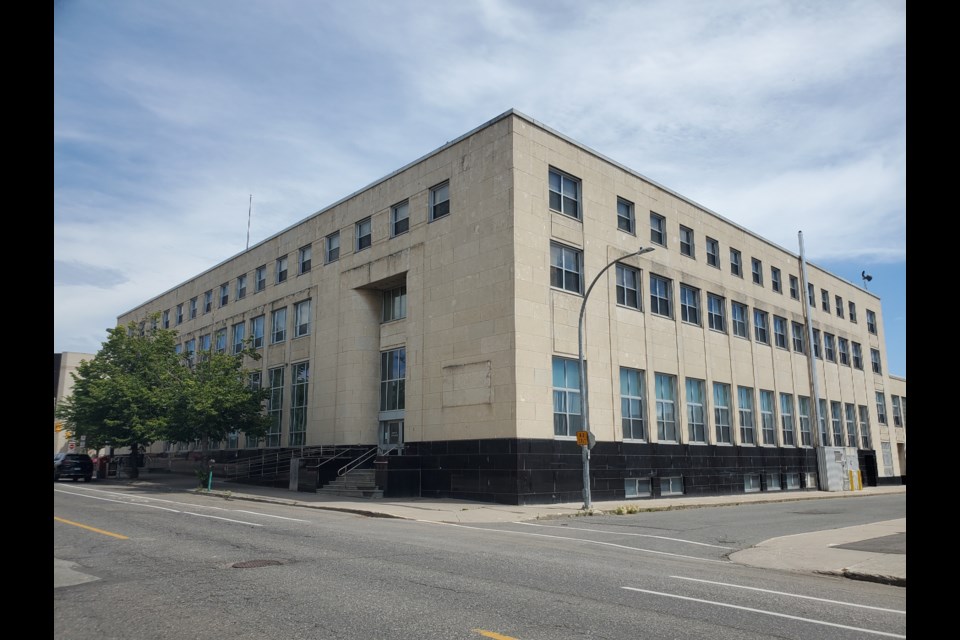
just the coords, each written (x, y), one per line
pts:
(64, 366)
(436, 312)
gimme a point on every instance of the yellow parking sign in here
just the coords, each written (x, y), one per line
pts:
(583, 439)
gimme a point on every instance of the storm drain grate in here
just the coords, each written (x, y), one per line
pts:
(253, 564)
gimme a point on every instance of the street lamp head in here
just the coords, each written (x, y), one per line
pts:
(644, 250)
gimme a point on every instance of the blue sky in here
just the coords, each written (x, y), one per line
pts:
(168, 115)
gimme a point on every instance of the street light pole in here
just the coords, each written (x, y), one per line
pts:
(585, 448)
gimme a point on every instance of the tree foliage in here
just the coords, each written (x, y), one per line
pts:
(138, 390)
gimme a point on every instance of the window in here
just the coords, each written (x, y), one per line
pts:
(717, 312)
(566, 268)
(798, 331)
(672, 486)
(696, 420)
(439, 201)
(190, 347)
(275, 406)
(760, 326)
(897, 419)
(721, 412)
(260, 278)
(205, 343)
(757, 269)
(738, 319)
(843, 350)
(224, 294)
(745, 411)
(301, 319)
(633, 405)
(256, 331)
(179, 314)
(835, 417)
(811, 295)
(780, 332)
(239, 335)
(332, 249)
(871, 322)
(207, 301)
(775, 282)
(241, 287)
(686, 242)
(713, 253)
(660, 296)
(298, 403)
(364, 234)
(281, 269)
(564, 193)
(666, 387)
(852, 311)
(393, 374)
(794, 288)
(857, 355)
(394, 304)
(193, 308)
(304, 261)
(751, 482)
(850, 412)
(400, 218)
(839, 305)
(628, 287)
(881, 408)
(279, 326)
(816, 344)
(566, 397)
(829, 352)
(690, 304)
(768, 425)
(786, 420)
(864, 425)
(625, 219)
(875, 361)
(803, 415)
(792, 480)
(825, 300)
(636, 487)
(773, 481)
(658, 229)
(166, 318)
(736, 263)
(221, 341)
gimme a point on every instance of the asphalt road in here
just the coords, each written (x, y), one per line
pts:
(152, 565)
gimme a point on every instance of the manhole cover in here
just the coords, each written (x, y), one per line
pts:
(253, 564)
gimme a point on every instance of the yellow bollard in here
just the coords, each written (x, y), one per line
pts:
(859, 480)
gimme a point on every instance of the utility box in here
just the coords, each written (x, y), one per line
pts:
(839, 469)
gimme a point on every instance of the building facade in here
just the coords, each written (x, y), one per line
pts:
(64, 365)
(436, 313)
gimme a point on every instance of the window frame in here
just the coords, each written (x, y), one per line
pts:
(776, 281)
(713, 252)
(399, 218)
(713, 318)
(721, 413)
(260, 278)
(825, 300)
(258, 331)
(557, 196)
(756, 269)
(687, 242)
(626, 216)
(768, 417)
(739, 326)
(560, 275)
(659, 284)
(780, 332)
(566, 390)
(623, 288)
(875, 363)
(281, 270)
(394, 304)
(666, 407)
(633, 404)
(363, 238)
(299, 396)
(745, 415)
(787, 426)
(241, 291)
(331, 253)
(301, 325)
(696, 410)
(761, 326)
(856, 355)
(736, 262)
(278, 330)
(838, 306)
(239, 335)
(881, 400)
(658, 229)
(794, 287)
(829, 347)
(871, 322)
(393, 376)
(304, 259)
(440, 196)
(208, 301)
(224, 294)
(690, 305)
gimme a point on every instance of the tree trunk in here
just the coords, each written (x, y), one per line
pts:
(134, 471)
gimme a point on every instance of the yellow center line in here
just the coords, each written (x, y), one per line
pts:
(493, 634)
(83, 526)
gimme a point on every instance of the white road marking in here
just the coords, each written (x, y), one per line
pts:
(616, 533)
(769, 613)
(792, 595)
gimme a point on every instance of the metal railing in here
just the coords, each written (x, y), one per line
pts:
(356, 462)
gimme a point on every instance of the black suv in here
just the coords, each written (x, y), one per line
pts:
(72, 465)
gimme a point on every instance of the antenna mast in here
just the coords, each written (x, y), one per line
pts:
(249, 212)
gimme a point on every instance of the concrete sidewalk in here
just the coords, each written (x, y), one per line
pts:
(874, 552)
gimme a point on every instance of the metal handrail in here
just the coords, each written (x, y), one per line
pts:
(353, 464)
(335, 456)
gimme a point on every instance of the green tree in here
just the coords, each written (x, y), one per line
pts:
(123, 397)
(217, 399)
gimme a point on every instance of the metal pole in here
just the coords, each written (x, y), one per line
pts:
(584, 391)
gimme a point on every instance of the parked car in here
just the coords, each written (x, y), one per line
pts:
(72, 465)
